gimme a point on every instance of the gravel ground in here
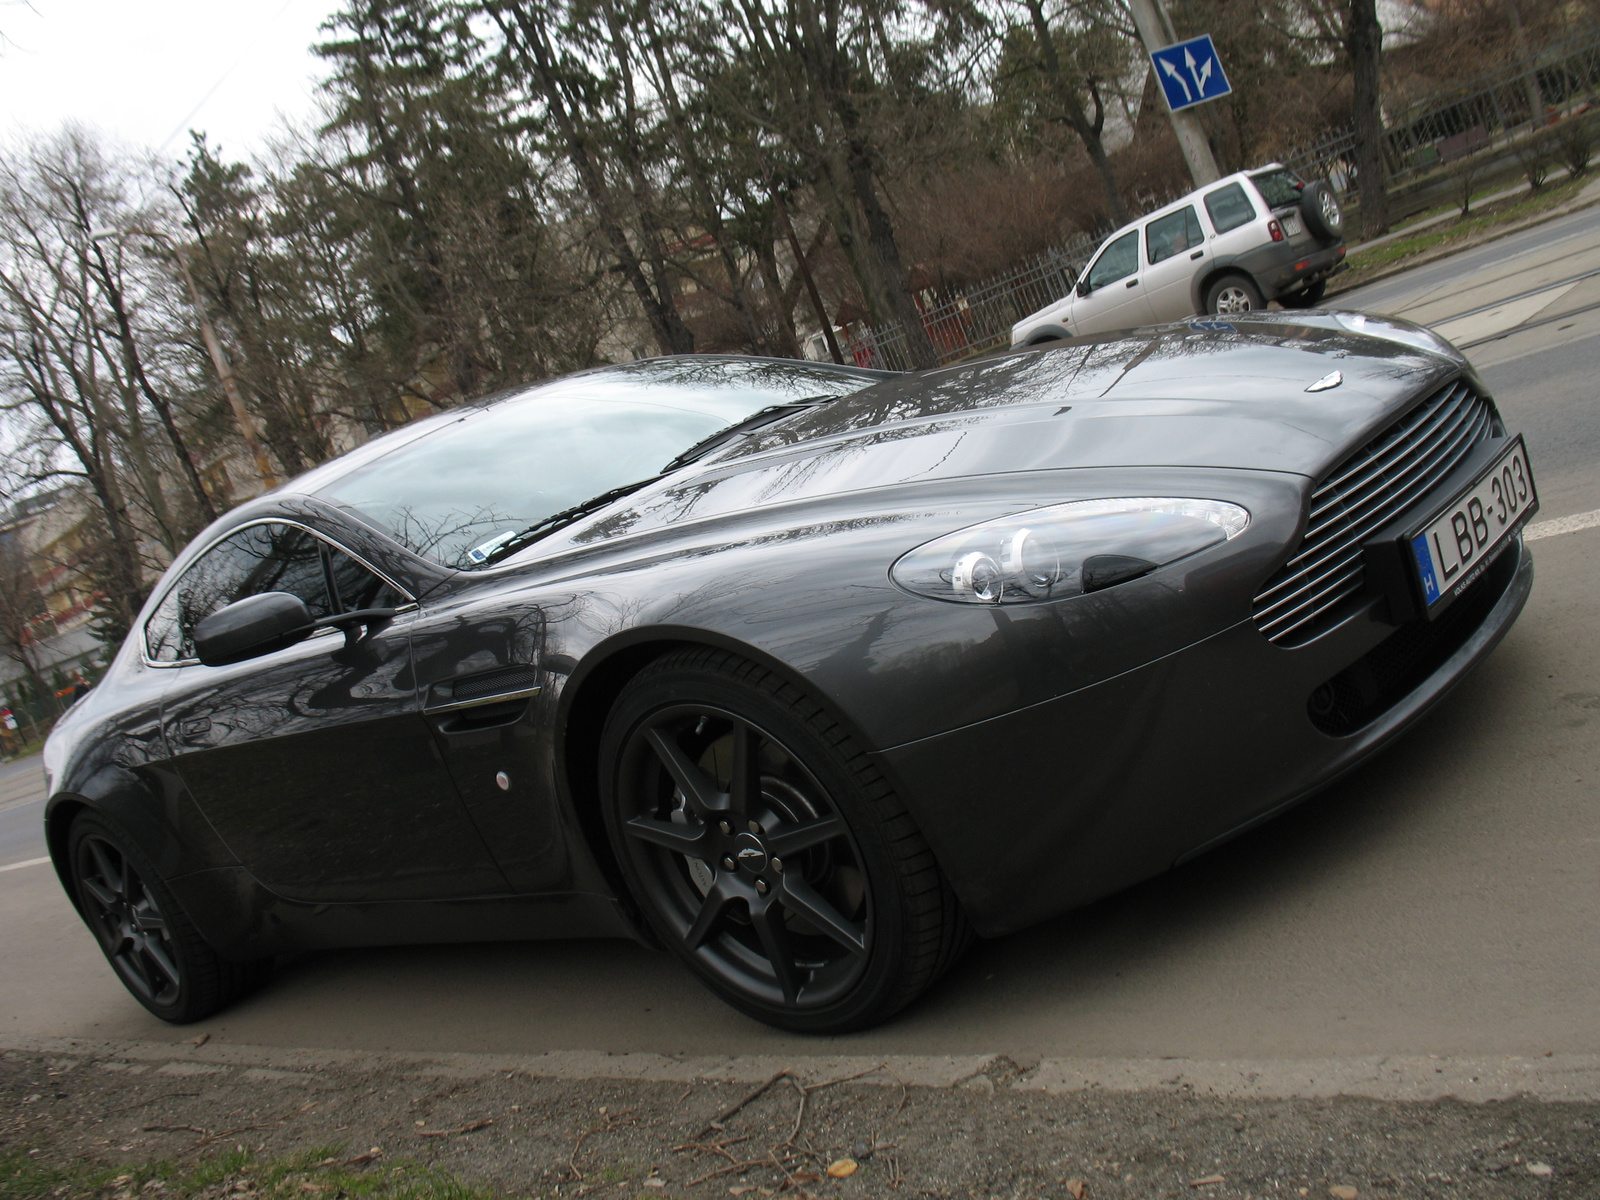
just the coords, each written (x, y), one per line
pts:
(525, 1136)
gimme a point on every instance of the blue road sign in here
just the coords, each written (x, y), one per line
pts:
(1190, 72)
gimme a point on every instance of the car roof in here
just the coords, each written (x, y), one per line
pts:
(1189, 198)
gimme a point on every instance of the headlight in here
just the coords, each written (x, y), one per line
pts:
(1066, 549)
(1403, 332)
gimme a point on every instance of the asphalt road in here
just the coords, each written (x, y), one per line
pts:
(21, 811)
(1443, 900)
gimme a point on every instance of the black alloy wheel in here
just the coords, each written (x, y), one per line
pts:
(143, 931)
(738, 814)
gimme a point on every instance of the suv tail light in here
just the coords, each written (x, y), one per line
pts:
(1275, 230)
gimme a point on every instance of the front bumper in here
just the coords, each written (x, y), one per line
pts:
(1054, 805)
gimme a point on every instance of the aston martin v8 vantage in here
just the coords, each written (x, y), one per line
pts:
(806, 674)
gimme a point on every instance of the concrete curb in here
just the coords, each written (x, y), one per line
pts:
(1414, 1078)
(1587, 198)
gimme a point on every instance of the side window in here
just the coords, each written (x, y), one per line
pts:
(355, 587)
(1229, 208)
(1172, 234)
(1117, 261)
(262, 558)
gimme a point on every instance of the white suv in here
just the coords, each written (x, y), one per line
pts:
(1229, 247)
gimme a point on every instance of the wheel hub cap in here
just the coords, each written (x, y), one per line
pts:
(751, 853)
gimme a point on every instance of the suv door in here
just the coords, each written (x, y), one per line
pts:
(313, 763)
(1175, 252)
(1115, 299)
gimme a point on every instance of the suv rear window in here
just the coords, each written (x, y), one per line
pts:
(1280, 188)
(1229, 208)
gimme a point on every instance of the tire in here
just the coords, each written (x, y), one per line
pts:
(1320, 209)
(854, 926)
(1234, 294)
(1308, 297)
(143, 931)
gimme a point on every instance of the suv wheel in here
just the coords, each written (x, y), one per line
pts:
(1306, 297)
(1234, 294)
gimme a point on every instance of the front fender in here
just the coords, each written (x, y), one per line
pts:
(151, 807)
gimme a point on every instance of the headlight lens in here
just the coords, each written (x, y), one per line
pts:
(1403, 332)
(1066, 549)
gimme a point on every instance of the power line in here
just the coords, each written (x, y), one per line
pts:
(184, 124)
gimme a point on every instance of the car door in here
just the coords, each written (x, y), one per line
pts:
(1115, 297)
(1175, 252)
(313, 763)
(481, 667)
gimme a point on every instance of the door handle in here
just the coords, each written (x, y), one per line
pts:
(438, 710)
(1133, 283)
(1198, 254)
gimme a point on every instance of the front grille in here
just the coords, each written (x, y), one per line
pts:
(1365, 492)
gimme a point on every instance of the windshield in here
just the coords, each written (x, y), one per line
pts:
(455, 494)
(1279, 188)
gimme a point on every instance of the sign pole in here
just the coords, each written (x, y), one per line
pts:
(1155, 32)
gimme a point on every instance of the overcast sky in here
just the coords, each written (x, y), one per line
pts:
(138, 69)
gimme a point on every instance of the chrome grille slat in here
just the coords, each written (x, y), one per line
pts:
(1438, 409)
(1425, 440)
(1313, 561)
(1364, 493)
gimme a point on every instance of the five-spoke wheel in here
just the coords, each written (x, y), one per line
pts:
(756, 855)
(127, 920)
(147, 937)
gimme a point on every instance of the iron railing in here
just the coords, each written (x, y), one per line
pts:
(971, 320)
(1492, 110)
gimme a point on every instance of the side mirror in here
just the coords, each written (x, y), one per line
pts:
(252, 627)
(1083, 287)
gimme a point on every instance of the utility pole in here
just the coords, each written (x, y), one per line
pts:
(1155, 31)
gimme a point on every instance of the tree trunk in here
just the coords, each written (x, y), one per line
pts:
(671, 334)
(1364, 44)
(1066, 95)
(700, 185)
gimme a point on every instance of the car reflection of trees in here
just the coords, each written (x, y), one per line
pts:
(447, 536)
(771, 481)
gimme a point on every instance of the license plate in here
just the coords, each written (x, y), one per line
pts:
(1291, 224)
(1455, 546)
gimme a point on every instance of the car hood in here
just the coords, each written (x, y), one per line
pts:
(1202, 393)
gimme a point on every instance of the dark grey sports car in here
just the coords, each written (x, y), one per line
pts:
(804, 673)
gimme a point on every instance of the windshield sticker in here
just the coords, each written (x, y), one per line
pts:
(480, 554)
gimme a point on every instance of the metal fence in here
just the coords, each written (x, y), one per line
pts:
(1491, 111)
(977, 318)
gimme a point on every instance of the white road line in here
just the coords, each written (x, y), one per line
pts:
(28, 862)
(1570, 524)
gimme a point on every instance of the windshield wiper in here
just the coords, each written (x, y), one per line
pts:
(560, 520)
(756, 420)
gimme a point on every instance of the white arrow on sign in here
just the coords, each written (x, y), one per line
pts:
(1205, 72)
(1172, 71)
